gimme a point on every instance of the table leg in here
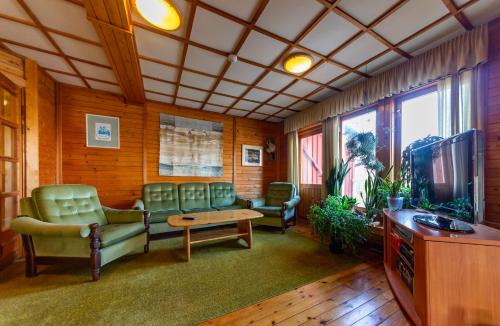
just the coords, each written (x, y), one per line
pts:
(187, 243)
(245, 226)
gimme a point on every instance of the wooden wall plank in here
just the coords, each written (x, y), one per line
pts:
(47, 125)
(31, 150)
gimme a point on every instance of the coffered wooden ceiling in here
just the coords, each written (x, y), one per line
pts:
(105, 45)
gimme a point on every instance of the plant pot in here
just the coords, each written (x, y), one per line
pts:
(395, 203)
(335, 245)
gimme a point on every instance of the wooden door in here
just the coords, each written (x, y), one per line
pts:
(9, 168)
(311, 161)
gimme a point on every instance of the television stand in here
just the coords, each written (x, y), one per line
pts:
(441, 277)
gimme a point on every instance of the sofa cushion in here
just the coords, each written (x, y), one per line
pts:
(160, 196)
(68, 204)
(195, 195)
(269, 211)
(114, 233)
(279, 192)
(199, 210)
(161, 216)
(226, 208)
(222, 194)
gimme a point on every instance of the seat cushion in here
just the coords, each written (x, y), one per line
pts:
(226, 208)
(222, 194)
(198, 210)
(194, 195)
(161, 216)
(160, 196)
(115, 233)
(269, 211)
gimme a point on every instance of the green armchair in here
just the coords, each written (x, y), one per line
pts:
(66, 223)
(279, 205)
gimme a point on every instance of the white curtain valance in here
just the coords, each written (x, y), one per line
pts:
(463, 52)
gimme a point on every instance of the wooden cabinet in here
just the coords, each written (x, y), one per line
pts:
(455, 277)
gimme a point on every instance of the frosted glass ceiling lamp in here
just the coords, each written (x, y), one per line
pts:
(160, 13)
(298, 63)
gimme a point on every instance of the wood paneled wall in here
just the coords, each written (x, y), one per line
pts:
(47, 129)
(119, 174)
(492, 120)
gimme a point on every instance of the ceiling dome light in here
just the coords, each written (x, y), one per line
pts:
(297, 63)
(160, 13)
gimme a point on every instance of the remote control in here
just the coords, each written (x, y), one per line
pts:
(191, 218)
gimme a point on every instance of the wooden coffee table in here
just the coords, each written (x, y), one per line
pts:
(243, 231)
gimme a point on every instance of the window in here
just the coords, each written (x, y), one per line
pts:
(365, 121)
(311, 159)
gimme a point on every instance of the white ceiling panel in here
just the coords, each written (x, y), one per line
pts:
(274, 119)
(246, 105)
(325, 72)
(267, 109)
(366, 11)
(187, 103)
(237, 113)
(359, 51)
(192, 94)
(257, 116)
(302, 105)
(93, 71)
(330, 33)
(12, 8)
(243, 9)
(63, 16)
(229, 88)
(196, 80)
(275, 81)
(288, 18)
(182, 6)
(483, 11)
(214, 108)
(159, 98)
(203, 60)
(82, 50)
(152, 69)
(220, 100)
(158, 86)
(159, 47)
(243, 72)
(104, 87)
(322, 95)
(285, 113)
(410, 18)
(283, 100)
(44, 59)
(24, 34)
(258, 95)
(301, 88)
(261, 48)
(67, 79)
(215, 31)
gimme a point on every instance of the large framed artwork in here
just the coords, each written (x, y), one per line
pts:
(251, 155)
(190, 147)
(102, 131)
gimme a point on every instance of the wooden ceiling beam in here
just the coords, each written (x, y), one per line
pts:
(112, 21)
(459, 15)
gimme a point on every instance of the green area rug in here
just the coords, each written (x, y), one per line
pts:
(159, 288)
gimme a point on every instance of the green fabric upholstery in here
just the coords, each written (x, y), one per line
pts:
(227, 208)
(68, 204)
(198, 210)
(120, 216)
(279, 192)
(114, 233)
(161, 216)
(269, 211)
(28, 225)
(194, 196)
(222, 194)
(160, 196)
(132, 246)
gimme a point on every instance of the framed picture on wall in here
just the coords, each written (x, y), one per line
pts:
(251, 155)
(103, 131)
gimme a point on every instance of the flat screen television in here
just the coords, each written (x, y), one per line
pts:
(447, 177)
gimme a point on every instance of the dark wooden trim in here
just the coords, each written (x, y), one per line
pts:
(146, 227)
(95, 254)
(29, 256)
(6, 83)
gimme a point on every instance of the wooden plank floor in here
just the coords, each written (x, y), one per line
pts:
(358, 296)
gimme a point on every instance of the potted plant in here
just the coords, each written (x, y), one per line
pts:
(336, 219)
(394, 199)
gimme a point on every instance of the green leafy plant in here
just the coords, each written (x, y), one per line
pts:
(363, 146)
(372, 200)
(336, 219)
(336, 178)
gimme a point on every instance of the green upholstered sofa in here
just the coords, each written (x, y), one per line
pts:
(67, 223)
(165, 199)
(279, 205)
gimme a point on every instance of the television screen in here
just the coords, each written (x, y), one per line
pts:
(443, 177)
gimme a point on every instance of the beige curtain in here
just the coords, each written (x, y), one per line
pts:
(463, 52)
(330, 129)
(461, 101)
(293, 159)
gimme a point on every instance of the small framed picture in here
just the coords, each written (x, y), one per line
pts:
(251, 155)
(103, 131)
